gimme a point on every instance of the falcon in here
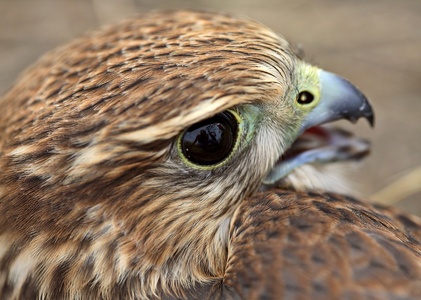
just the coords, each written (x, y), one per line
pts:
(181, 155)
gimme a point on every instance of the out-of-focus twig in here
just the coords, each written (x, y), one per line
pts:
(405, 186)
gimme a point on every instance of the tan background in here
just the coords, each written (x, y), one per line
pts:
(374, 43)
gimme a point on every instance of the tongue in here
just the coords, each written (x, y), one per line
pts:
(317, 130)
(318, 145)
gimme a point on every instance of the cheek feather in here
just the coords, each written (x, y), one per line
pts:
(95, 201)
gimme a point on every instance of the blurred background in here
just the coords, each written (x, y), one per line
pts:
(376, 44)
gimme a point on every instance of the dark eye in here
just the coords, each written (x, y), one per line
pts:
(210, 141)
(305, 97)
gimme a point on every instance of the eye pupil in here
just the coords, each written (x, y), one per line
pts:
(305, 97)
(210, 141)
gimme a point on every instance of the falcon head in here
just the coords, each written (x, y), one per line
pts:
(125, 154)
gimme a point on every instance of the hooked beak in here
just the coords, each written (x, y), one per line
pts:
(339, 99)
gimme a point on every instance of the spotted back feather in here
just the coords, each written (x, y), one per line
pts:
(95, 203)
(92, 196)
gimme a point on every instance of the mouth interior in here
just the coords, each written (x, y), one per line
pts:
(319, 145)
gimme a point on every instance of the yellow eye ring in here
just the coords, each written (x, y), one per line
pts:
(210, 143)
(305, 98)
(308, 98)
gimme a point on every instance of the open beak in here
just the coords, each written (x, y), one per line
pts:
(317, 144)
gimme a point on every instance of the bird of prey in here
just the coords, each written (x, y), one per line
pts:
(181, 155)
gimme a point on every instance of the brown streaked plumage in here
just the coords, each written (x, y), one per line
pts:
(323, 246)
(99, 202)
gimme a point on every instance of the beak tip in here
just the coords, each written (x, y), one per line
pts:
(367, 110)
(370, 120)
(340, 99)
(356, 104)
